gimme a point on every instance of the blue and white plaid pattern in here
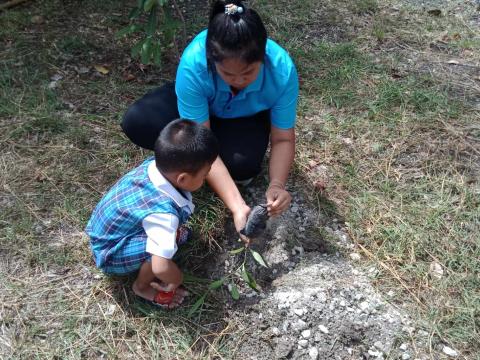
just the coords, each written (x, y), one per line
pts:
(117, 237)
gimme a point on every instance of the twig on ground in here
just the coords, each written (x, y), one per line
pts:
(10, 4)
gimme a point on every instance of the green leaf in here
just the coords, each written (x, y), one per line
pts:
(234, 292)
(148, 5)
(152, 22)
(146, 51)
(162, 2)
(138, 46)
(249, 279)
(127, 30)
(237, 251)
(157, 54)
(258, 258)
(197, 305)
(216, 284)
(135, 12)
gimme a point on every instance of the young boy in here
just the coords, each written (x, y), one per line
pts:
(135, 225)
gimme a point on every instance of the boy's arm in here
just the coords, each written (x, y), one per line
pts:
(161, 230)
(167, 271)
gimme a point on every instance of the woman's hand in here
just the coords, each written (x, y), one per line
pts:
(240, 216)
(278, 199)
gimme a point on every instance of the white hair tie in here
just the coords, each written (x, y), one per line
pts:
(232, 9)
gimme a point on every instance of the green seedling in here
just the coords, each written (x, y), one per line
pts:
(241, 272)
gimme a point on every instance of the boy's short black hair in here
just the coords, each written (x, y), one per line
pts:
(186, 146)
(241, 35)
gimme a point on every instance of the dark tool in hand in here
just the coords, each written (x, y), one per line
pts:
(256, 222)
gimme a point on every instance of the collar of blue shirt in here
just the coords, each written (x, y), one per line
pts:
(164, 186)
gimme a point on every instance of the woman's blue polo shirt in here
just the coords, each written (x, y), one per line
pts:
(201, 92)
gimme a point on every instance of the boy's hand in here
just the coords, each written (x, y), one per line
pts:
(278, 199)
(240, 216)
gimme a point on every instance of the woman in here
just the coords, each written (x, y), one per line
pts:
(243, 86)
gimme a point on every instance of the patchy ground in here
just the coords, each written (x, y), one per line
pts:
(376, 258)
(317, 303)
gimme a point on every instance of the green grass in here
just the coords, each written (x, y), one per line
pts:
(407, 186)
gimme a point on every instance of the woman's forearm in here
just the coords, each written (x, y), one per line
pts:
(281, 155)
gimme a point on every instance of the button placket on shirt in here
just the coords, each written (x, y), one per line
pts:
(228, 104)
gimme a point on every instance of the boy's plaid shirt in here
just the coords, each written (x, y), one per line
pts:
(122, 209)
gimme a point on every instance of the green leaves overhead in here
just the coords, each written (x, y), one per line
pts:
(148, 5)
(153, 18)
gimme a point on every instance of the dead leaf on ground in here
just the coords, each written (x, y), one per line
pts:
(128, 77)
(320, 185)
(101, 69)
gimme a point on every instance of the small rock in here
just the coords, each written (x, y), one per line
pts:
(299, 250)
(275, 331)
(363, 305)
(111, 309)
(449, 351)
(298, 312)
(303, 343)
(313, 353)
(56, 77)
(378, 345)
(404, 347)
(323, 329)
(405, 356)
(374, 353)
(294, 208)
(299, 325)
(435, 270)
(37, 19)
(283, 349)
(83, 70)
(355, 256)
(306, 334)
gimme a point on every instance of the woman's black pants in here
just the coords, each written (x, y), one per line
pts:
(243, 141)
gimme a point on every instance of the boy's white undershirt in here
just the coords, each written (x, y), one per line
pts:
(161, 228)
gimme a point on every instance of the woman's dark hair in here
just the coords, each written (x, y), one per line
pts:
(241, 35)
(186, 146)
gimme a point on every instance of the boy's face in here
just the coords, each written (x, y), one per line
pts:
(193, 182)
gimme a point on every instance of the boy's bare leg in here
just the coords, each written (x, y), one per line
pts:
(146, 286)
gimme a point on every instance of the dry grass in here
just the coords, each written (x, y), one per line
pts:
(389, 135)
